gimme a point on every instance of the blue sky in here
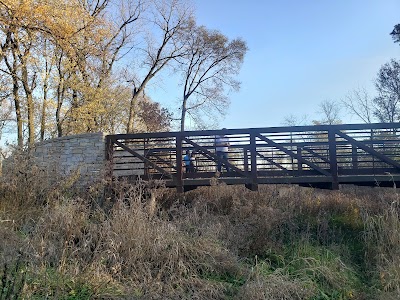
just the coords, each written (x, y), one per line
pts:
(302, 53)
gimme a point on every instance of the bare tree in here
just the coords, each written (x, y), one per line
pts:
(169, 20)
(208, 67)
(330, 112)
(28, 81)
(12, 69)
(388, 86)
(359, 103)
(292, 120)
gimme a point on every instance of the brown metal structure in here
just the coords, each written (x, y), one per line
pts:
(320, 156)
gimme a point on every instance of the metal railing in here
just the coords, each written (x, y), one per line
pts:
(327, 153)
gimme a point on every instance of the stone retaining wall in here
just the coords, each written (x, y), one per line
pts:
(83, 153)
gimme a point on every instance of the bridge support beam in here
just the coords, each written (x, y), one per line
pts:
(333, 159)
(253, 186)
(179, 165)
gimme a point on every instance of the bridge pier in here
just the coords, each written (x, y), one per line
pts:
(335, 185)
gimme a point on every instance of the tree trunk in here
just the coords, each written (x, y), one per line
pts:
(58, 120)
(13, 68)
(44, 105)
(17, 104)
(44, 110)
(183, 115)
(31, 119)
(129, 126)
(132, 107)
(30, 104)
(60, 97)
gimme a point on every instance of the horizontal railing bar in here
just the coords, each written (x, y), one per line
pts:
(314, 128)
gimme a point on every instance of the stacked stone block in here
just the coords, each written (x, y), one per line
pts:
(83, 155)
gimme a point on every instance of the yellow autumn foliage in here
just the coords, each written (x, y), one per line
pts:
(64, 21)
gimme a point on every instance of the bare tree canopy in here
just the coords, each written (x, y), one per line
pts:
(388, 87)
(360, 104)
(208, 67)
(293, 120)
(168, 20)
(329, 111)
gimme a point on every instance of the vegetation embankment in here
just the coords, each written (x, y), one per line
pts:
(220, 242)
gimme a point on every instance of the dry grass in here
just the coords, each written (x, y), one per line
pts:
(218, 242)
(276, 286)
(383, 237)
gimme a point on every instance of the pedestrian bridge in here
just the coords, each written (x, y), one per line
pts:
(322, 156)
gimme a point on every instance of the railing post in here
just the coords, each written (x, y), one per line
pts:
(109, 149)
(354, 157)
(146, 165)
(179, 173)
(291, 149)
(245, 159)
(333, 159)
(253, 160)
(372, 147)
(299, 160)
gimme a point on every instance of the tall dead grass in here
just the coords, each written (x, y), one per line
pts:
(218, 242)
(382, 234)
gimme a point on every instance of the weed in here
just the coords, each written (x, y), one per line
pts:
(316, 266)
(51, 284)
(12, 280)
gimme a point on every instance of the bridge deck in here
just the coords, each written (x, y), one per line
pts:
(321, 156)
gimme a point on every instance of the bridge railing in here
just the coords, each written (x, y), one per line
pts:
(328, 151)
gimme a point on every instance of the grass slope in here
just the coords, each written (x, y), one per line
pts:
(219, 242)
